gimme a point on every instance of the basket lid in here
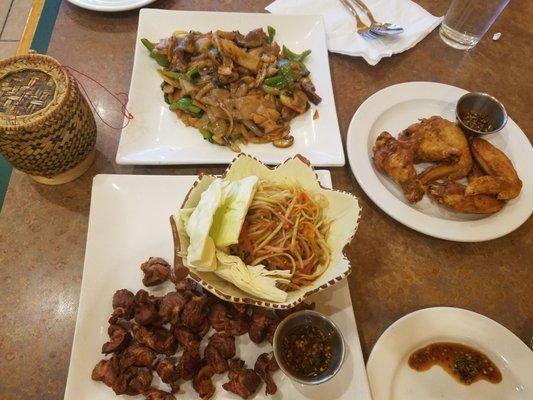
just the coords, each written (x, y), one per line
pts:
(31, 87)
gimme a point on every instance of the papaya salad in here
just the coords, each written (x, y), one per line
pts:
(266, 238)
(234, 88)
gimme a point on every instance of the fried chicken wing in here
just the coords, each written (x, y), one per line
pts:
(501, 179)
(427, 143)
(395, 159)
(449, 133)
(475, 172)
(452, 195)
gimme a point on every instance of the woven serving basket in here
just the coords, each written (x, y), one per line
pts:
(47, 129)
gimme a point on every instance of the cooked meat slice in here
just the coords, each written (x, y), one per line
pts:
(120, 338)
(218, 315)
(264, 365)
(156, 394)
(133, 381)
(271, 329)
(157, 338)
(255, 38)
(184, 336)
(124, 299)
(171, 306)
(186, 285)
(136, 355)
(146, 309)
(202, 382)
(156, 271)
(190, 361)
(238, 326)
(238, 309)
(258, 326)
(242, 381)
(213, 358)
(106, 371)
(220, 348)
(193, 314)
(167, 370)
(224, 343)
(310, 91)
(203, 328)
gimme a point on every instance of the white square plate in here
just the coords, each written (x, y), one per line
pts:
(129, 222)
(156, 136)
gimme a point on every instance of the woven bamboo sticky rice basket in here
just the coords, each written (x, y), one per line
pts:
(47, 129)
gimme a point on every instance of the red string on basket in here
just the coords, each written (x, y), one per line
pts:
(127, 115)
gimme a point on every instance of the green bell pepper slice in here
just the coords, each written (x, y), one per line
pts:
(185, 104)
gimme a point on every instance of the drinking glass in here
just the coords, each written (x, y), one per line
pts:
(467, 21)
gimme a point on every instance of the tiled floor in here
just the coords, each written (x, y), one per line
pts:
(13, 15)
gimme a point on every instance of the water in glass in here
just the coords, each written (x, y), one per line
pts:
(467, 21)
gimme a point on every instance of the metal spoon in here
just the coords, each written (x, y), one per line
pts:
(385, 29)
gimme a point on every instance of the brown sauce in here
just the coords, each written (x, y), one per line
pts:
(464, 363)
(307, 351)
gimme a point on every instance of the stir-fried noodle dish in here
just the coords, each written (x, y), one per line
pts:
(234, 88)
(286, 228)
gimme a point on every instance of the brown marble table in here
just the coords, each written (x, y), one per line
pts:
(396, 270)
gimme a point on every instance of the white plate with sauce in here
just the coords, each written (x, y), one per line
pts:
(391, 377)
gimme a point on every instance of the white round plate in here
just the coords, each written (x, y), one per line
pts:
(110, 5)
(391, 378)
(395, 108)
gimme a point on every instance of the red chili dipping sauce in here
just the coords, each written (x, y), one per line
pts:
(307, 351)
(464, 363)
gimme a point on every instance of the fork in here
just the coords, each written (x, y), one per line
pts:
(362, 28)
(378, 28)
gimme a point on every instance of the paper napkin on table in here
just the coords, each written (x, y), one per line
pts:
(341, 30)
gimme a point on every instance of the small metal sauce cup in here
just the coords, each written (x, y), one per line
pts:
(310, 318)
(483, 104)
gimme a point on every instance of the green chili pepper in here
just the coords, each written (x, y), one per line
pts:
(290, 55)
(193, 74)
(149, 45)
(190, 75)
(277, 81)
(271, 34)
(185, 104)
(287, 73)
(284, 79)
(207, 134)
(161, 59)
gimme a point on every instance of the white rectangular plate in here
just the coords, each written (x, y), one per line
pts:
(156, 136)
(128, 223)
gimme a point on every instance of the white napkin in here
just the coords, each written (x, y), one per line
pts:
(341, 30)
